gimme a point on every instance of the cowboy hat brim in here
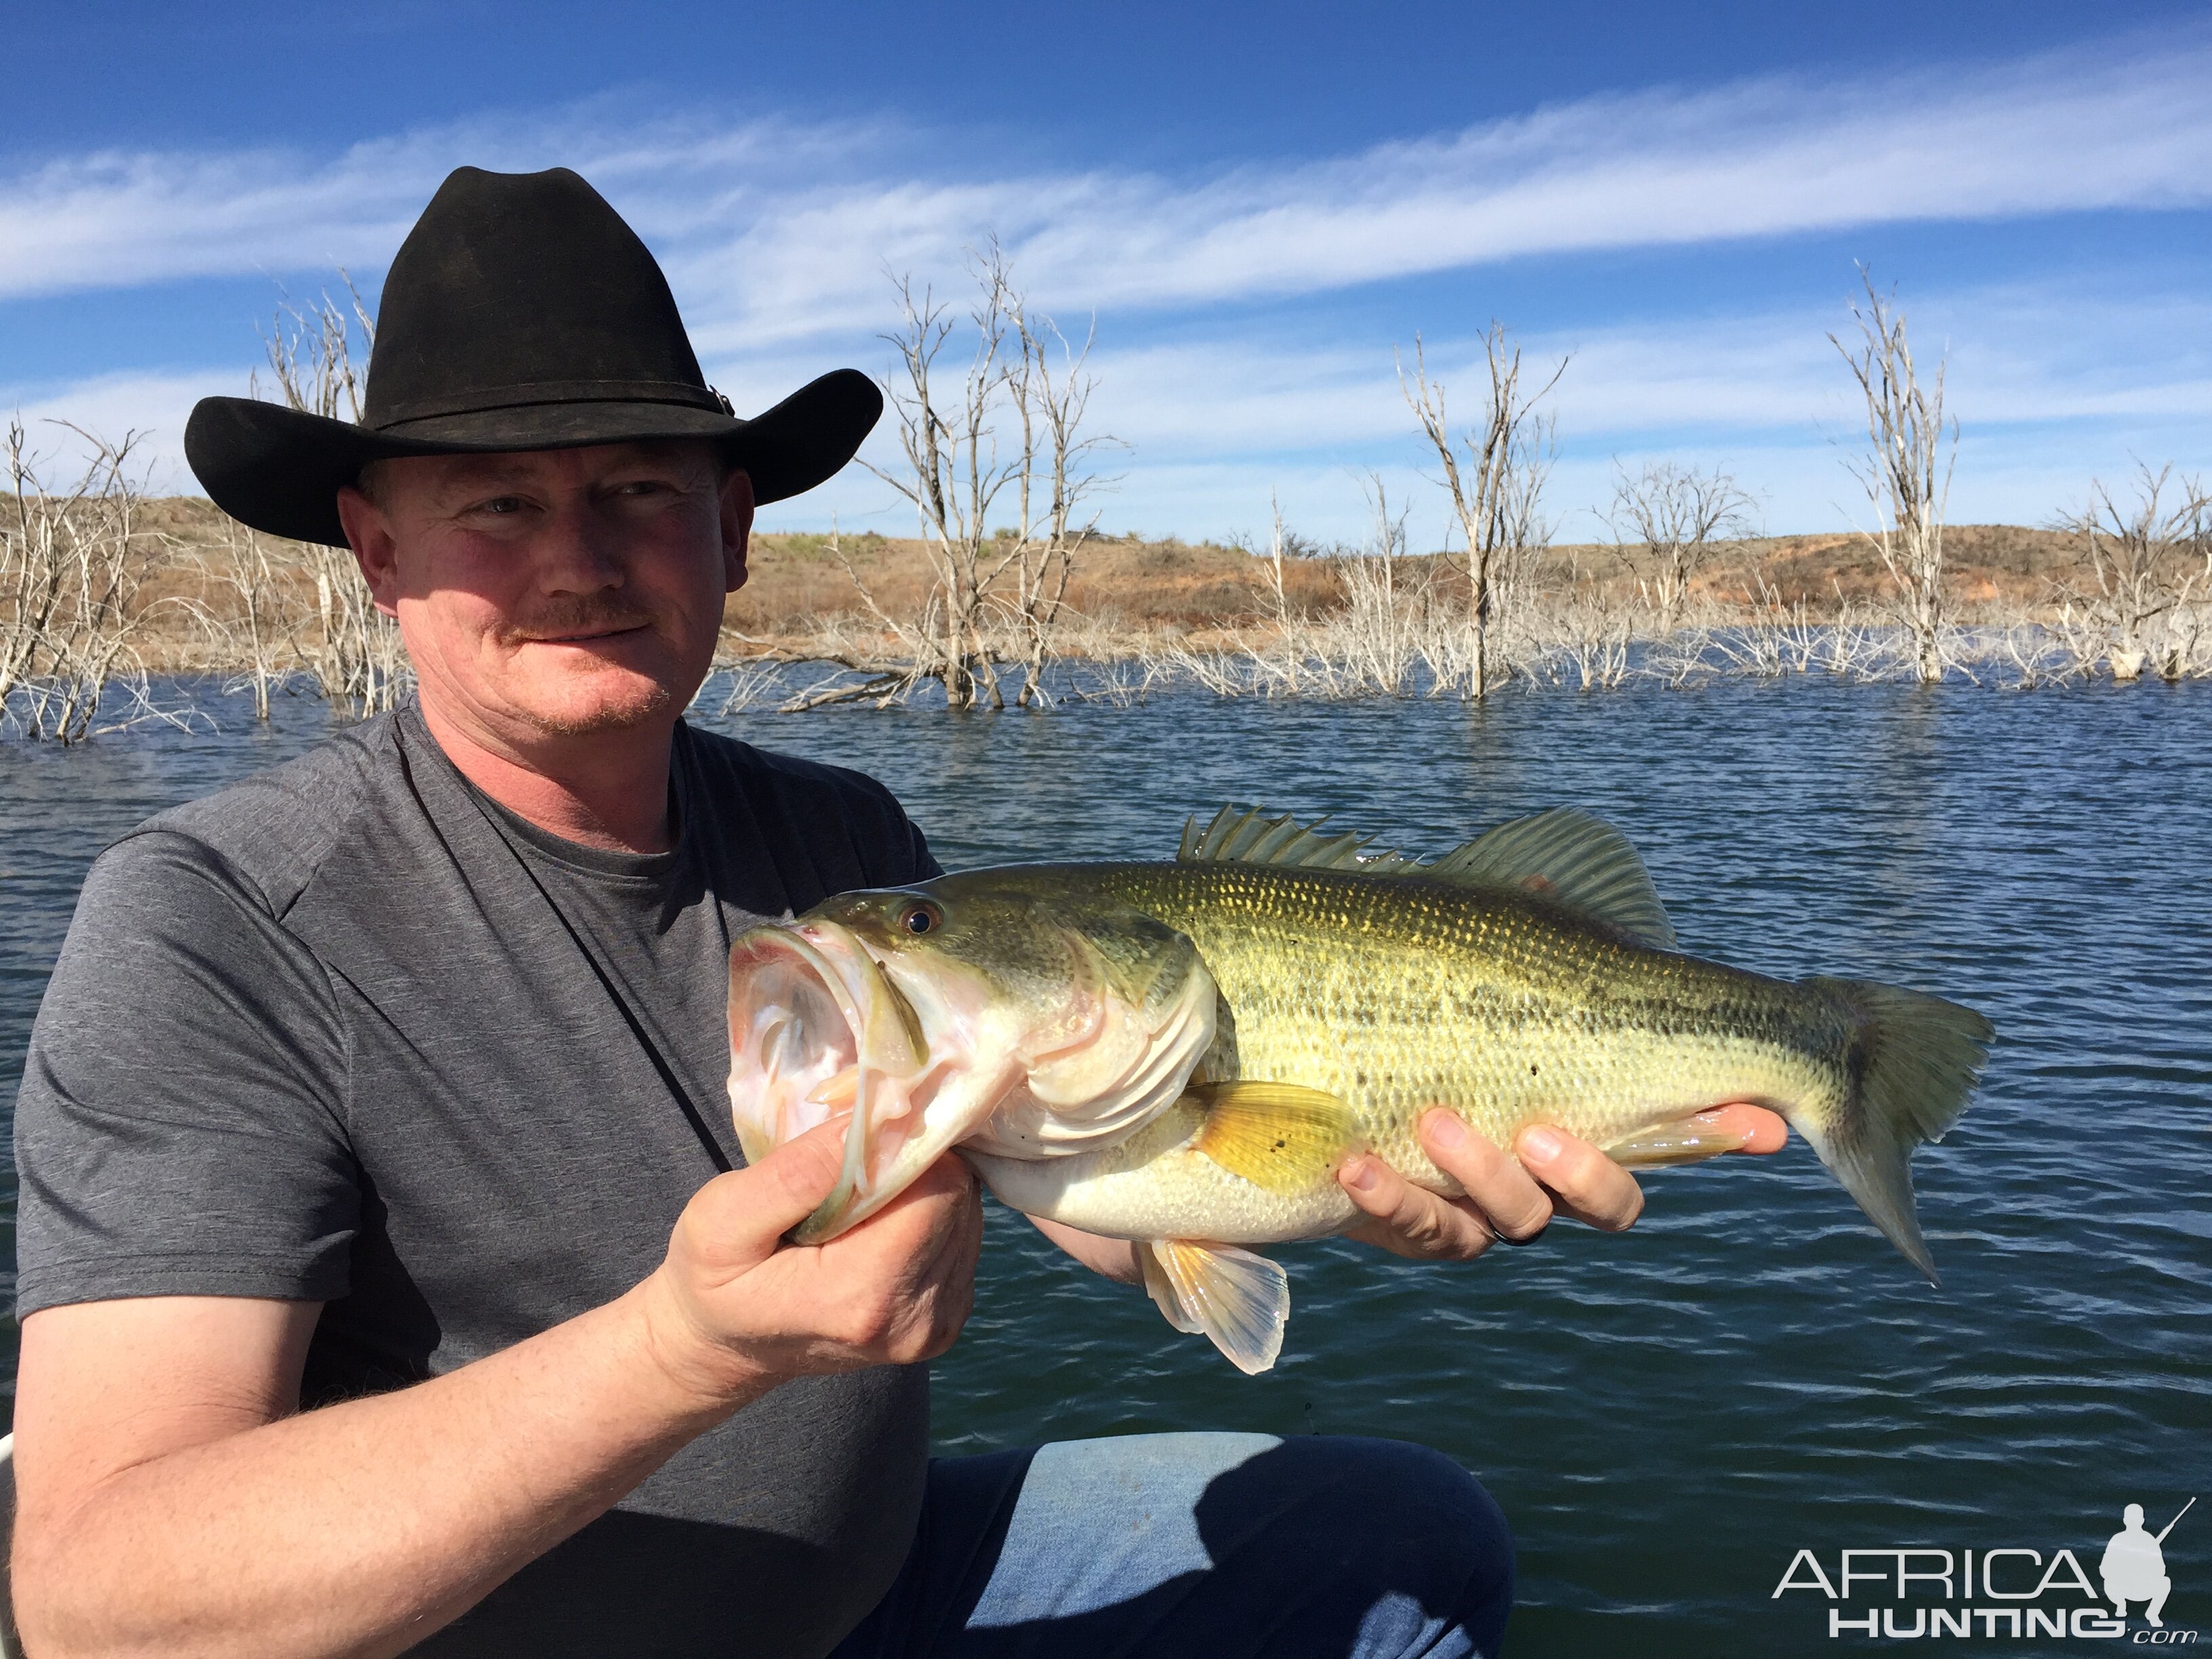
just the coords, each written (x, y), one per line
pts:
(279, 469)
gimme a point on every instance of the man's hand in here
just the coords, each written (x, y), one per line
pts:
(733, 1307)
(1555, 1175)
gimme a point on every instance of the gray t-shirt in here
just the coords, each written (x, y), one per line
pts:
(351, 1032)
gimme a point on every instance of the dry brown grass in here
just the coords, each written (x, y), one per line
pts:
(1177, 588)
(1151, 613)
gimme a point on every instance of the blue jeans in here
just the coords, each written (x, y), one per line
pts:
(1212, 1545)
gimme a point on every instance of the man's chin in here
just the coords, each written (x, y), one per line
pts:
(592, 704)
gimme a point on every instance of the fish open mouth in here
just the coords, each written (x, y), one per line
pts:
(821, 1033)
(916, 1052)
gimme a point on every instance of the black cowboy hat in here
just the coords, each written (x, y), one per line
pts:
(520, 313)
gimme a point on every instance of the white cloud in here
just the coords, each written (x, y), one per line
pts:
(152, 407)
(777, 235)
(776, 229)
(2051, 388)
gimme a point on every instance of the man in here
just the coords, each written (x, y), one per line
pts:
(386, 1273)
(2134, 1568)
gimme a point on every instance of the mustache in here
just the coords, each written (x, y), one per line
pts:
(567, 619)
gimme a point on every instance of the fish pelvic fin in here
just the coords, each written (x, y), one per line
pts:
(1240, 1301)
(1280, 1136)
(1915, 1059)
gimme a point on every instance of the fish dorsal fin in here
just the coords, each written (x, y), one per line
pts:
(1570, 858)
(1574, 860)
(1235, 837)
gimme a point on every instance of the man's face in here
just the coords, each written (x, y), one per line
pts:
(555, 592)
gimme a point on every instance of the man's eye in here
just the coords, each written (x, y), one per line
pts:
(500, 506)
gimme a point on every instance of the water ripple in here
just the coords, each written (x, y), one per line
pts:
(1666, 1415)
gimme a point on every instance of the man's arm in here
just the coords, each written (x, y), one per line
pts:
(172, 1502)
(1111, 1258)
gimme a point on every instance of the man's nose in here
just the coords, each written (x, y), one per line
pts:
(580, 552)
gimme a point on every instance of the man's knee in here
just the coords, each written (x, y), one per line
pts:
(1399, 1523)
(1430, 1497)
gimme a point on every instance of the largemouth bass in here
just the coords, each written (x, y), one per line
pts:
(1183, 1053)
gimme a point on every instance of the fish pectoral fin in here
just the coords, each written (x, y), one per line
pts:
(1240, 1301)
(1679, 1140)
(1279, 1136)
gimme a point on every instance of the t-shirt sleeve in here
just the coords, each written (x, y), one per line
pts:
(921, 858)
(181, 1126)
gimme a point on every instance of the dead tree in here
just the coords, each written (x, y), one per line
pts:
(2141, 569)
(252, 626)
(1495, 502)
(1905, 472)
(352, 652)
(1051, 402)
(1676, 514)
(75, 567)
(953, 476)
(988, 575)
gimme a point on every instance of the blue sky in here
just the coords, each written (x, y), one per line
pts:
(1257, 204)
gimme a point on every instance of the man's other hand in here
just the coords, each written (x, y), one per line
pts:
(733, 1306)
(1512, 1197)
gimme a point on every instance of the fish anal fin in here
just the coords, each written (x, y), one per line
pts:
(1279, 1136)
(1679, 1140)
(1571, 859)
(1240, 1301)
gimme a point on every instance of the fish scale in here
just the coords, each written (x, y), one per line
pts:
(1401, 995)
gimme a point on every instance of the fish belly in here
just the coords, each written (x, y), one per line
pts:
(1159, 1185)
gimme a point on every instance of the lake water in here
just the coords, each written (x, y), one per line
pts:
(1670, 1415)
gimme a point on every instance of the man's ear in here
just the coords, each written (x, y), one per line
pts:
(737, 527)
(375, 550)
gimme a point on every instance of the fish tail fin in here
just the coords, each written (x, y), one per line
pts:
(1239, 1300)
(1915, 1059)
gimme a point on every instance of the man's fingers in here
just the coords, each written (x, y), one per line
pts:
(1409, 1221)
(1762, 1131)
(941, 1292)
(1517, 1208)
(1591, 1186)
(736, 1220)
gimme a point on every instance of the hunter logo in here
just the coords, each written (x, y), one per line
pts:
(2134, 1566)
(2015, 1593)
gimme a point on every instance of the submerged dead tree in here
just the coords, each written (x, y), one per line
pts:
(249, 612)
(1496, 498)
(350, 649)
(2144, 571)
(1007, 440)
(1905, 472)
(1675, 514)
(76, 570)
(1052, 523)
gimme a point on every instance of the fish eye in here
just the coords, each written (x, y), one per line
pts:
(921, 917)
